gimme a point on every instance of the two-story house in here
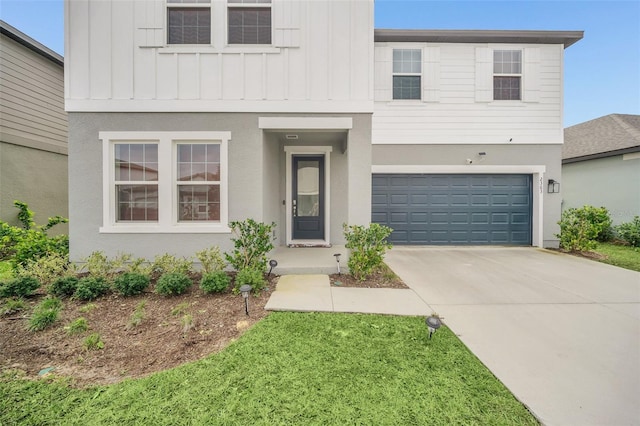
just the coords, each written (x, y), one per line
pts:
(184, 116)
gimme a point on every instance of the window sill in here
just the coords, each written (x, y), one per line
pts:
(404, 102)
(156, 229)
(235, 49)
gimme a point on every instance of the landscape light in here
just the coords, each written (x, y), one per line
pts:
(433, 323)
(245, 290)
(337, 256)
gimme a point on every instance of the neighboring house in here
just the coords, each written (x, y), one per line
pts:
(601, 165)
(186, 116)
(33, 128)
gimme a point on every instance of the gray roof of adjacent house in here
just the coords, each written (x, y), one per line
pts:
(613, 134)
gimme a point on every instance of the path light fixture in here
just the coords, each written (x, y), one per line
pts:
(272, 264)
(337, 256)
(245, 290)
(433, 323)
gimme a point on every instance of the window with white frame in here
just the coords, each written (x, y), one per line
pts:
(507, 75)
(165, 181)
(249, 21)
(407, 73)
(188, 21)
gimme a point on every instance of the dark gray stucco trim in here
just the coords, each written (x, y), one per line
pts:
(601, 155)
(567, 38)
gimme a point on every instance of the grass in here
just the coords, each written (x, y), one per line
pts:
(623, 256)
(5, 271)
(292, 368)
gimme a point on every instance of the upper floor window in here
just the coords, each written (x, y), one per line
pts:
(507, 74)
(249, 22)
(407, 71)
(188, 21)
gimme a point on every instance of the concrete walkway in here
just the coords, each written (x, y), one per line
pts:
(314, 293)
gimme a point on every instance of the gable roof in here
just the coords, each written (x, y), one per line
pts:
(606, 136)
(20, 37)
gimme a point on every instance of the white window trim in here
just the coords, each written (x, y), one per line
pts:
(167, 201)
(230, 5)
(187, 6)
(494, 74)
(319, 150)
(407, 74)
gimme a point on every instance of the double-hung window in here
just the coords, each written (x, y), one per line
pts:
(407, 73)
(507, 75)
(188, 21)
(165, 181)
(249, 21)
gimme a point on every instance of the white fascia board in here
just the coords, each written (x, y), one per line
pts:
(159, 105)
(305, 123)
(459, 169)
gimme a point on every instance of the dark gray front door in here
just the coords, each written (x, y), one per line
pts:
(454, 209)
(308, 197)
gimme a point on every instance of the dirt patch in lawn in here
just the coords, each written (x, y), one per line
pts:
(173, 331)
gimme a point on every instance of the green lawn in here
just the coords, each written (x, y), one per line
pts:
(5, 270)
(624, 256)
(293, 368)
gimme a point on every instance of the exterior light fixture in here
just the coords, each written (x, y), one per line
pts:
(553, 186)
(337, 256)
(433, 323)
(272, 264)
(245, 290)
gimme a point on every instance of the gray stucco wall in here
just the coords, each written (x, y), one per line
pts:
(36, 177)
(256, 179)
(610, 182)
(530, 155)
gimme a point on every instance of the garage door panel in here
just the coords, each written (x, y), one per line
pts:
(454, 209)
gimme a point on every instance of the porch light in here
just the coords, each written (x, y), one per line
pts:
(433, 323)
(245, 290)
(272, 264)
(337, 256)
(553, 186)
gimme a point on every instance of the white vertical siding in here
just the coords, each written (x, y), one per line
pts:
(321, 58)
(458, 104)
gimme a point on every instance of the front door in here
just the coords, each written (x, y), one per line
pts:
(307, 199)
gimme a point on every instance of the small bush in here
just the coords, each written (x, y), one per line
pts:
(98, 265)
(580, 228)
(180, 309)
(186, 322)
(138, 315)
(46, 269)
(215, 282)
(87, 308)
(90, 288)
(211, 260)
(45, 314)
(11, 306)
(19, 287)
(131, 283)
(93, 342)
(252, 243)
(252, 277)
(77, 326)
(173, 283)
(168, 264)
(630, 231)
(64, 286)
(138, 266)
(368, 246)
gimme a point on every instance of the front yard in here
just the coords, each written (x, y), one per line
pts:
(291, 368)
(623, 256)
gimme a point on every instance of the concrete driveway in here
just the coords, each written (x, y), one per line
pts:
(561, 332)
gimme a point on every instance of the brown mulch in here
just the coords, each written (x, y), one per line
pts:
(158, 343)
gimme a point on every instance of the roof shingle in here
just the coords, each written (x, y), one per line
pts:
(602, 137)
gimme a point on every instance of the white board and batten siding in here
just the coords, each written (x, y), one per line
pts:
(320, 60)
(457, 105)
(31, 99)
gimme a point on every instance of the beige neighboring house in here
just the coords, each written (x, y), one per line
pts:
(601, 165)
(33, 128)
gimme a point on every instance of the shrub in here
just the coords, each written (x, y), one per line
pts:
(215, 282)
(630, 231)
(173, 283)
(77, 326)
(138, 266)
(11, 306)
(368, 246)
(46, 269)
(98, 265)
(252, 277)
(180, 309)
(138, 315)
(19, 287)
(168, 264)
(93, 342)
(131, 283)
(580, 228)
(64, 286)
(90, 288)
(45, 314)
(252, 243)
(211, 260)
(30, 241)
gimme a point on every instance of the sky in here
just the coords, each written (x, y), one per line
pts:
(602, 71)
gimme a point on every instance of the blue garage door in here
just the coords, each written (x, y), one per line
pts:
(454, 209)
